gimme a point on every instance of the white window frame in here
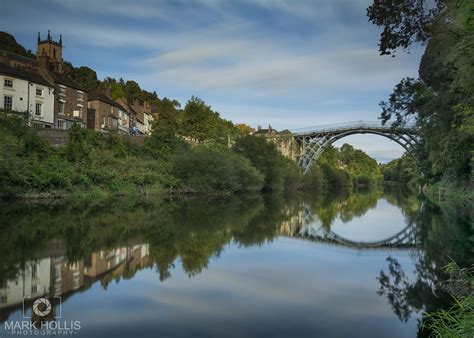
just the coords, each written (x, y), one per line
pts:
(36, 109)
(62, 90)
(63, 105)
(7, 80)
(80, 95)
(41, 91)
(5, 102)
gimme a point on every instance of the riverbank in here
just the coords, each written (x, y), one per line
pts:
(96, 166)
(446, 191)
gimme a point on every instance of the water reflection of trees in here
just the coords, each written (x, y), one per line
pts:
(445, 234)
(193, 230)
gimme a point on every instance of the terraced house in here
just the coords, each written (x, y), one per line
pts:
(27, 91)
(47, 76)
(144, 117)
(106, 115)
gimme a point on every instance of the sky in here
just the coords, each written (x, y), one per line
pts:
(285, 63)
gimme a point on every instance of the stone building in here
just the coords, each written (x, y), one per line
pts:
(106, 115)
(71, 99)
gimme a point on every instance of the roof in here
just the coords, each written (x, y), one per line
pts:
(65, 80)
(29, 75)
(96, 96)
(18, 57)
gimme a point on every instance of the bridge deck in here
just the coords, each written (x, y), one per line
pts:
(354, 125)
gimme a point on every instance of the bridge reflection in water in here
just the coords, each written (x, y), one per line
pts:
(313, 229)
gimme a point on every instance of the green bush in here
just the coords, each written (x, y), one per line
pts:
(314, 179)
(265, 157)
(204, 169)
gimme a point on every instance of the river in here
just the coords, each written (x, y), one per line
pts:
(365, 264)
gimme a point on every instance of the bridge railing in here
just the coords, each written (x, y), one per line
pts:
(342, 126)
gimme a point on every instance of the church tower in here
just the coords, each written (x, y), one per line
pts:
(49, 53)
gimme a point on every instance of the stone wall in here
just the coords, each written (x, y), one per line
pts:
(55, 137)
(60, 137)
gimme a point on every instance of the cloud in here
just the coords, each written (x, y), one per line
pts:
(292, 63)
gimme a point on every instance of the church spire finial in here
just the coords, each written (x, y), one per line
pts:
(60, 40)
(39, 37)
(49, 35)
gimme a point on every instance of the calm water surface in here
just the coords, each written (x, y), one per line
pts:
(359, 265)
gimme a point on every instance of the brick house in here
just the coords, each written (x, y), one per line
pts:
(71, 98)
(106, 115)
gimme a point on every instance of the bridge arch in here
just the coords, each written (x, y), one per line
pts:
(312, 142)
(406, 237)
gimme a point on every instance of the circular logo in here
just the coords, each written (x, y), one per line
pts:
(42, 307)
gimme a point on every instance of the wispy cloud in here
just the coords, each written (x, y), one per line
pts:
(289, 62)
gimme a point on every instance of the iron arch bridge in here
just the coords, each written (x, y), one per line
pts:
(313, 141)
(314, 230)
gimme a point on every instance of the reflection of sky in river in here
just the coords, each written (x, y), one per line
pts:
(290, 287)
(376, 224)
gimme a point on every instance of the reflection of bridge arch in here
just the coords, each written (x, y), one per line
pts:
(312, 142)
(405, 238)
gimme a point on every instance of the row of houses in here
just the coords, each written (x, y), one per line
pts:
(53, 276)
(54, 100)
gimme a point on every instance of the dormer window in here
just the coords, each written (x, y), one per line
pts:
(8, 83)
(39, 92)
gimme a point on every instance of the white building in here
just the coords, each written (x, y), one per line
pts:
(27, 91)
(32, 282)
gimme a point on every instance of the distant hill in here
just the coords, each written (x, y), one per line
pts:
(8, 43)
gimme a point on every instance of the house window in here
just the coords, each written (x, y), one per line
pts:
(61, 124)
(76, 113)
(39, 92)
(3, 299)
(8, 102)
(62, 90)
(38, 109)
(80, 96)
(34, 289)
(61, 108)
(8, 83)
(34, 271)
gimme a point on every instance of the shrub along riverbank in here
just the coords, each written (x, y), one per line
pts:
(95, 164)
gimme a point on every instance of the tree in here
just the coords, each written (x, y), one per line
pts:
(404, 21)
(9, 43)
(84, 76)
(244, 129)
(265, 157)
(441, 101)
(199, 121)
